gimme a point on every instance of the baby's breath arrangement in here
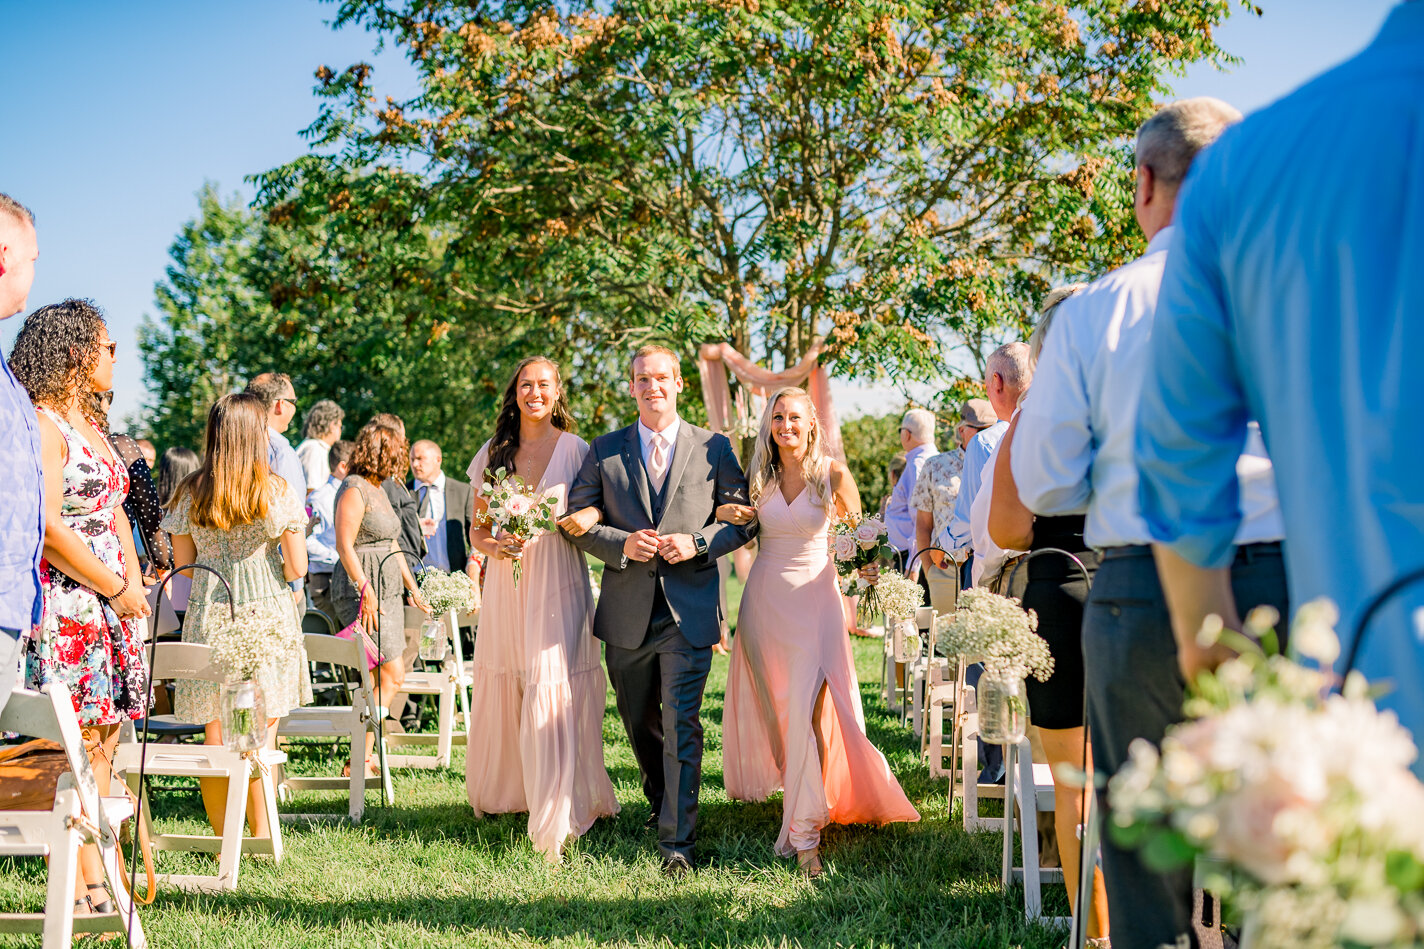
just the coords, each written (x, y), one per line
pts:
(253, 636)
(444, 592)
(997, 631)
(899, 597)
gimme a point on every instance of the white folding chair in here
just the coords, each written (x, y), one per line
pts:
(350, 722)
(940, 698)
(80, 814)
(443, 682)
(918, 671)
(193, 662)
(1033, 784)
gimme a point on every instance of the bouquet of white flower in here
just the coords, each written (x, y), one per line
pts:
(444, 592)
(514, 509)
(1303, 798)
(859, 542)
(241, 643)
(997, 631)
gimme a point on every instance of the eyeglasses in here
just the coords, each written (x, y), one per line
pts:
(112, 347)
(283, 398)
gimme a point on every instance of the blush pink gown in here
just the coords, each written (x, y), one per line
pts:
(790, 639)
(536, 741)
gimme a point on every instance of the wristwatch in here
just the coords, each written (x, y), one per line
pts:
(699, 543)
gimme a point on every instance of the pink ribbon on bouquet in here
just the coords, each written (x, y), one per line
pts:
(716, 392)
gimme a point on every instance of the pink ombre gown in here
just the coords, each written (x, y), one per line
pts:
(790, 638)
(536, 738)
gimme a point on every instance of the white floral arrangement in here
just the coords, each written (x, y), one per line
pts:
(444, 592)
(900, 597)
(997, 631)
(1303, 799)
(241, 643)
(516, 510)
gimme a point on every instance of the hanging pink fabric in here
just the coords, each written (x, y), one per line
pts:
(716, 392)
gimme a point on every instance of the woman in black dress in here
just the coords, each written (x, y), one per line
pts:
(1056, 592)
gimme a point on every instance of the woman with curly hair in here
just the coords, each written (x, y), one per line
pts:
(367, 532)
(90, 637)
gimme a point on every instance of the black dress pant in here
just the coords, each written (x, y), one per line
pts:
(1135, 690)
(659, 687)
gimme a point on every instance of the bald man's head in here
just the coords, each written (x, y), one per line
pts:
(19, 248)
(425, 459)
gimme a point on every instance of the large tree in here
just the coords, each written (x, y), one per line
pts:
(908, 177)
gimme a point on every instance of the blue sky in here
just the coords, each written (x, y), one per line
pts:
(117, 113)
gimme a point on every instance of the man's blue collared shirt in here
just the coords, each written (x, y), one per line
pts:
(976, 456)
(1294, 294)
(21, 506)
(899, 519)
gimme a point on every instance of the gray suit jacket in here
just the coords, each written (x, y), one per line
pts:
(704, 474)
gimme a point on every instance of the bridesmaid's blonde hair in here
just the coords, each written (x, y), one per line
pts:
(766, 459)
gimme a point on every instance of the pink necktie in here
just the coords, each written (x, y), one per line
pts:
(658, 461)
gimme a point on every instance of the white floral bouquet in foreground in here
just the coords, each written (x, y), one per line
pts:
(859, 542)
(255, 635)
(1303, 800)
(444, 592)
(517, 511)
(998, 632)
(900, 598)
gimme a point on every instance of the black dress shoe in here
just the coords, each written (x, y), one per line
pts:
(676, 866)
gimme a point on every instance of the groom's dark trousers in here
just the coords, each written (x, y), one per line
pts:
(659, 621)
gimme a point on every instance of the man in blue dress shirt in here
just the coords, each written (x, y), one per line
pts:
(21, 477)
(1073, 452)
(275, 388)
(1295, 281)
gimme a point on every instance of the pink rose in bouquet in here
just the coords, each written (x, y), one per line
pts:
(845, 546)
(515, 511)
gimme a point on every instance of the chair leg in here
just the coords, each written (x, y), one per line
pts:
(459, 670)
(117, 875)
(63, 874)
(444, 739)
(1007, 866)
(274, 820)
(234, 817)
(357, 806)
(969, 769)
(1028, 831)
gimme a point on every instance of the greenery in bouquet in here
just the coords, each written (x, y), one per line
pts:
(1301, 800)
(518, 511)
(858, 542)
(444, 592)
(997, 631)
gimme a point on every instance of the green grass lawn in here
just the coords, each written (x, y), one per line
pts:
(425, 873)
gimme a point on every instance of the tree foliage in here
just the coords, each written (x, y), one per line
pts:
(904, 177)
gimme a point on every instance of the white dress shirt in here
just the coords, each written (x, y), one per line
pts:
(645, 437)
(989, 557)
(437, 548)
(315, 456)
(958, 538)
(321, 543)
(1074, 450)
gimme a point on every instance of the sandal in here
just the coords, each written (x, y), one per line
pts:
(104, 904)
(810, 862)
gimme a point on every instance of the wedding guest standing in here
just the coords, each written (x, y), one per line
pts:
(142, 507)
(238, 517)
(1295, 279)
(656, 485)
(539, 689)
(936, 490)
(321, 542)
(793, 720)
(276, 392)
(412, 539)
(91, 634)
(368, 582)
(917, 432)
(1074, 452)
(446, 507)
(1055, 591)
(321, 428)
(21, 475)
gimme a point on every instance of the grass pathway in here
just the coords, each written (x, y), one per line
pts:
(425, 873)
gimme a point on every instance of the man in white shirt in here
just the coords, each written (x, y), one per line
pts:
(1073, 450)
(321, 542)
(320, 430)
(1007, 375)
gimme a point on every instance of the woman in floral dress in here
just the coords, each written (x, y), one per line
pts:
(90, 637)
(235, 515)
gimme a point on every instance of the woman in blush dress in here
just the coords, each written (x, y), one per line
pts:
(793, 719)
(539, 688)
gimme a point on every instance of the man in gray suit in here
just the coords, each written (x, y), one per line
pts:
(657, 484)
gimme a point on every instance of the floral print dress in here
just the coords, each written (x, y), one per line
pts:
(80, 640)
